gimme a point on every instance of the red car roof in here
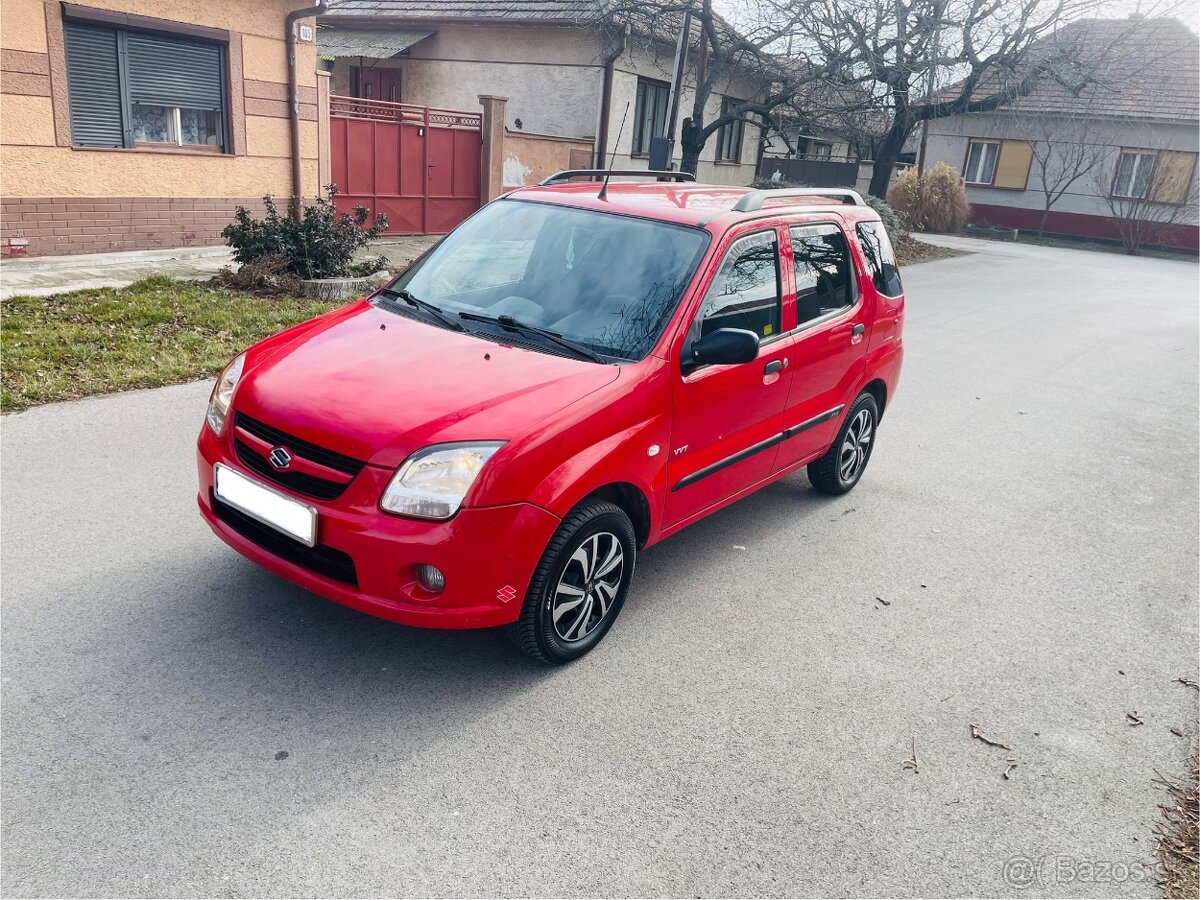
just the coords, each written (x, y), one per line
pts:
(685, 204)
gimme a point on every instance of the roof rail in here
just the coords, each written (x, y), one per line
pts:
(753, 201)
(658, 174)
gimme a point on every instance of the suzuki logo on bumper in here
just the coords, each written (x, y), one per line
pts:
(280, 458)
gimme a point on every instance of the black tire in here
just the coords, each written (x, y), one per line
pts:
(562, 573)
(848, 454)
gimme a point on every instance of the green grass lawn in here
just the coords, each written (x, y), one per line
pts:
(152, 333)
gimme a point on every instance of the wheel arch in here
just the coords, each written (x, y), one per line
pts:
(877, 388)
(632, 501)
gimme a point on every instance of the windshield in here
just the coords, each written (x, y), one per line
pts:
(605, 281)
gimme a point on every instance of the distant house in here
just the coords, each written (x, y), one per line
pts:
(1130, 137)
(564, 74)
(135, 124)
(821, 139)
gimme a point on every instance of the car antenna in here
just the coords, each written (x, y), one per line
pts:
(603, 195)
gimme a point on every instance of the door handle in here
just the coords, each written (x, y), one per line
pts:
(858, 329)
(775, 365)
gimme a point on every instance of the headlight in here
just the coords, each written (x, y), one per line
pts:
(432, 482)
(222, 395)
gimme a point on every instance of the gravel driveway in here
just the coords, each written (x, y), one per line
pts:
(177, 722)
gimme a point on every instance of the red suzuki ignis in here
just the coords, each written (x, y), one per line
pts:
(571, 375)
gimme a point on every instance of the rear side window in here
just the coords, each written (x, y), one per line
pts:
(823, 282)
(745, 293)
(881, 258)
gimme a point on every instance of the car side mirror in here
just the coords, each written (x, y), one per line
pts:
(723, 347)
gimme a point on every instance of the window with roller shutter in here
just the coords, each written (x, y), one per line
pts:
(131, 88)
(1173, 176)
(998, 163)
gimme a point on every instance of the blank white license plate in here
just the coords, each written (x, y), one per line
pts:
(293, 518)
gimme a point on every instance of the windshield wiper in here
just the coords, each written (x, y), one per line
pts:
(579, 350)
(425, 306)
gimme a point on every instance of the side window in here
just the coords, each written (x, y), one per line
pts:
(824, 282)
(881, 258)
(745, 293)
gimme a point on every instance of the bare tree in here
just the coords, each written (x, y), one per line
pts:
(994, 50)
(1064, 153)
(721, 53)
(1150, 219)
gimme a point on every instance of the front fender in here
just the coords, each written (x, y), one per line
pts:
(636, 455)
(621, 434)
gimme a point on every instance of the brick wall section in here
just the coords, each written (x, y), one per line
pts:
(68, 225)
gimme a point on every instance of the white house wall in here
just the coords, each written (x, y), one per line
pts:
(552, 76)
(640, 61)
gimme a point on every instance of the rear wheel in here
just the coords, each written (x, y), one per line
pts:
(579, 586)
(840, 469)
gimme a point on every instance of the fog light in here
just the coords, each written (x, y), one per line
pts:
(431, 577)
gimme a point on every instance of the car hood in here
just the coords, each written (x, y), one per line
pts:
(375, 385)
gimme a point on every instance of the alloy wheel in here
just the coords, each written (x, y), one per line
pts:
(587, 587)
(855, 446)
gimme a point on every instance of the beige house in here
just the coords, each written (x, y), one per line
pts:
(132, 124)
(563, 74)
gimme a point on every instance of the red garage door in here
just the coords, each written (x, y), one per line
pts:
(417, 164)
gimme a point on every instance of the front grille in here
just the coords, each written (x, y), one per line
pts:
(301, 482)
(326, 561)
(318, 488)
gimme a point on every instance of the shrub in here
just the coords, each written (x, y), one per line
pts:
(314, 240)
(935, 202)
(893, 222)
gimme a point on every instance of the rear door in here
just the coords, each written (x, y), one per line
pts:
(728, 417)
(830, 345)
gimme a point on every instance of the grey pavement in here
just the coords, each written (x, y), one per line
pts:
(1030, 514)
(43, 276)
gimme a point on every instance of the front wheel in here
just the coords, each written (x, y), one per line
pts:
(840, 469)
(579, 586)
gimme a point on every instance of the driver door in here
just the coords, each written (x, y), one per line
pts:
(728, 418)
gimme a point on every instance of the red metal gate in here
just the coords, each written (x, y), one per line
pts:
(417, 164)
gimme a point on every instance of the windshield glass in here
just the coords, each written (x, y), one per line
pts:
(605, 281)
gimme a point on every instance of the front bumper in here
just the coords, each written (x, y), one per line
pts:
(488, 554)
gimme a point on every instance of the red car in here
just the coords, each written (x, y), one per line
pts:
(567, 378)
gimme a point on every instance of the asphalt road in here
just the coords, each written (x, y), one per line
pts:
(1030, 514)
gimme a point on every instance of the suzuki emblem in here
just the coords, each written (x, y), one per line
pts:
(280, 458)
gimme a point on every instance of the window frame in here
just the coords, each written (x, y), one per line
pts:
(810, 143)
(696, 325)
(851, 282)
(123, 24)
(639, 142)
(999, 144)
(983, 142)
(1135, 151)
(727, 134)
